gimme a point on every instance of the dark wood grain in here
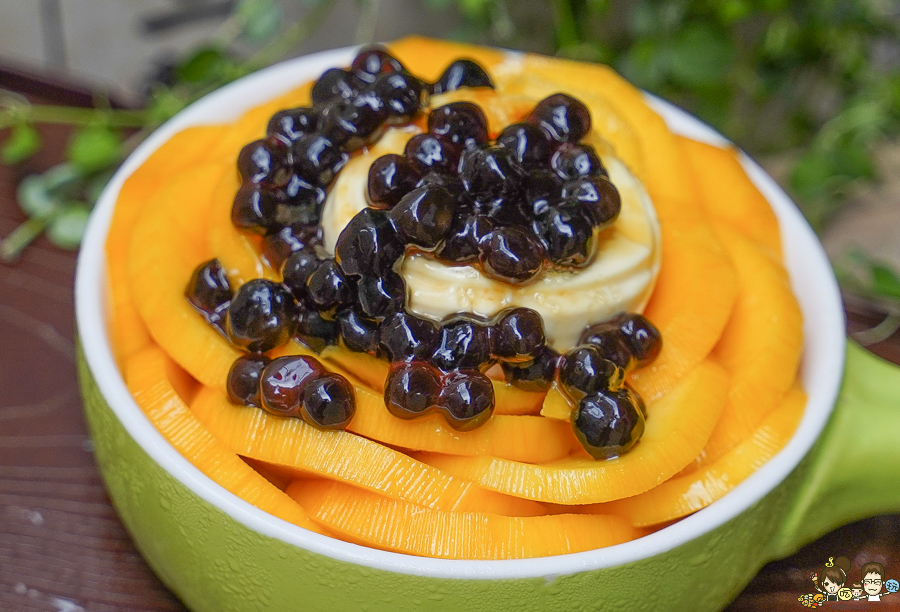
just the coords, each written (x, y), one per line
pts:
(62, 547)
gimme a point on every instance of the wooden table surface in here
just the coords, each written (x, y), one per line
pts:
(62, 547)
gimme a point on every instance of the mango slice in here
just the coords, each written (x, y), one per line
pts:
(531, 439)
(237, 251)
(760, 346)
(158, 275)
(389, 524)
(729, 196)
(427, 58)
(678, 426)
(146, 376)
(184, 148)
(373, 372)
(339, 455)
(683, 495)
(695, 292)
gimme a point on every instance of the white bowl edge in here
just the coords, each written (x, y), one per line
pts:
(811, 277)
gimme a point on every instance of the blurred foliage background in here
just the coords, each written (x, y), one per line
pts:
(816, 82)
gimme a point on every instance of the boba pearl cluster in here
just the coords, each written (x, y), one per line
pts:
(535, 197)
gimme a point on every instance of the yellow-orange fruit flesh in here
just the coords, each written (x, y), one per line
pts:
(683, 495)
(677, 428)
(146, 376)
(760, 346)
(395, 525)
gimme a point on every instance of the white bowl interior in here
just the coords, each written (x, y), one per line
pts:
(811, 277)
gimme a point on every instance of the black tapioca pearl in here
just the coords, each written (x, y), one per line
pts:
(572, 160)
(301, 205)
(351, 123)
(463, 123)
(390, 178)
(405, 337)
(314, 330)
(536, 375)
(463, 242)
(598, 196)
(562, 117)
(260, 316)
(283, 381)
(423, 216)
(641, 337)
(317, 159)
(466, 399)
(298, 190)
(369, 244)
(298, 268)
(403, 96)
(328, 289)
(451, 182)
(542, 190)
(328, 402)
(291, 124)
(506, 210)
(278, 246)
(357, 332)
(266, 161)
(461, 73)
(608, 423)
(609, 340)
(584, 370)
(381, 296)
(490, 173)
(209, 291)
(428, 152)
(374, 62)
(517, 335)
(255, 209)
(568, 234)
(511, 254)
(243, 380)
(335, 83)
(412, 389)
(527, 142)
(464, 344)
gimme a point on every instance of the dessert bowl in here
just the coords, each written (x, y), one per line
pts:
(218, 552)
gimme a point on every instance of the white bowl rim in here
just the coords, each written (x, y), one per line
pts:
(811, 277)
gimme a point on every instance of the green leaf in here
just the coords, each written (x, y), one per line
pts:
(164, 104)
(34, 198)
(810, 174)
(94, 148)
(853, 161)
(473, 8)
(731, 11)
(205, 65)
(261, 18)
(644, 20)
(23, 142)
(59, 176)
(67, 228)
(645, 63)
(885, 281)
(597, 7)
(700, 56)
(583, 51)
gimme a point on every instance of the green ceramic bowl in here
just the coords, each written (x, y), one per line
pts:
(218, 553)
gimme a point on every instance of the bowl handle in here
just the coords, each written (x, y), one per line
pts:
(854, 469)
